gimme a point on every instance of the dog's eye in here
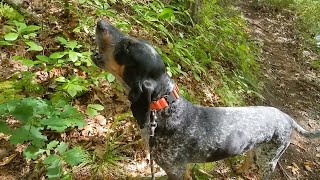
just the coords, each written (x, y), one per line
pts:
(126, 47)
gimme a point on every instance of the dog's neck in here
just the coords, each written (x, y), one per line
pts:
(164, 88)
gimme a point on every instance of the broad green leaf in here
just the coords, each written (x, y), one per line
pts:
(11, 36)
(110, 77)
(166, 13)
(23, 112)
(5, 43)
(54, 170)
(20, 26)
(40, 106)
(72, 45)
(33, 46)
(43, 58)
(52, 144)
(76, 122)
(36, 137)
(62, 40)
(29, 62)
(6, 85)
(69, 111)
(91, 112)
(78, 63)
(62, 147)
(72, 90)
(50, 159)
(61, 79)
(33, 152)
(60, 61)
(30, 28)
(55, 123)
(74, 156)
(73, 56)
(96, 106)
(57, 55)
(26, 61)
(4, 128)
(92, 109)
(20, 135)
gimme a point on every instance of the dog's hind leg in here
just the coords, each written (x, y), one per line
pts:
(268, 155)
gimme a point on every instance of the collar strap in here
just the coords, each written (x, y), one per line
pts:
(166, 100)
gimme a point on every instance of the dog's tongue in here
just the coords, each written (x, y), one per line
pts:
(105, 27)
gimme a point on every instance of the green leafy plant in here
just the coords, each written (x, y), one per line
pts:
(10, 13)
(62, 156)
(27, 84)
(21, 29)
(73, 86)
(92, 109)
(70, 54)
(35, 116)
(8, 91)
(217, 42)
(106, 158)
(277, 4)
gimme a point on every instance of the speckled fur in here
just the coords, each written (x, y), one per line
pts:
(188, 133)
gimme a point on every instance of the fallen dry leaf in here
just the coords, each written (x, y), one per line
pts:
(101, 120)
(308, 165)
(294, 168)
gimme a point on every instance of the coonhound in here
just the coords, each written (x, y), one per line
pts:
(188, 133)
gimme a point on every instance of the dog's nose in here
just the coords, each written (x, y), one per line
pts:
(103, 25)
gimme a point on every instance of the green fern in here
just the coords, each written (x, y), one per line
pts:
(9, 13)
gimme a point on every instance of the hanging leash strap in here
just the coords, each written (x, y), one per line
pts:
(160, 104)
(152, 126)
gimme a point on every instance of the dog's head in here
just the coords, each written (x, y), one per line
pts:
(136, 63)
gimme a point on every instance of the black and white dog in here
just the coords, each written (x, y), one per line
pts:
(188, 133)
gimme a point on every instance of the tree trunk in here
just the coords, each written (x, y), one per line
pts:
(194, 10)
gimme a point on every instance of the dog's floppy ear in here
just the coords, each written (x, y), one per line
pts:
(140, 98)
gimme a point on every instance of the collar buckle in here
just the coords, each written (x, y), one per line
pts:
(166, 100)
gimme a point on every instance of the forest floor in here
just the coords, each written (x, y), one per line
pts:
(291, 84)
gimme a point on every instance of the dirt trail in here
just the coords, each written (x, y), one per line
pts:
(290, 85)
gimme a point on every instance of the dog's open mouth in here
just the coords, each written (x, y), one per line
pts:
(107, 38)
(107, 35)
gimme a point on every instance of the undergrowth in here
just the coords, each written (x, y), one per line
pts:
(307, 21)
(213, 51)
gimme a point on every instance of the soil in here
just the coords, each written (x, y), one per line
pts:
(291, 84)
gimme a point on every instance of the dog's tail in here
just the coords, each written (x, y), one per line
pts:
(301, 130)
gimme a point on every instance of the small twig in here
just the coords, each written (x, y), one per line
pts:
(205, 173)
(284, 172)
